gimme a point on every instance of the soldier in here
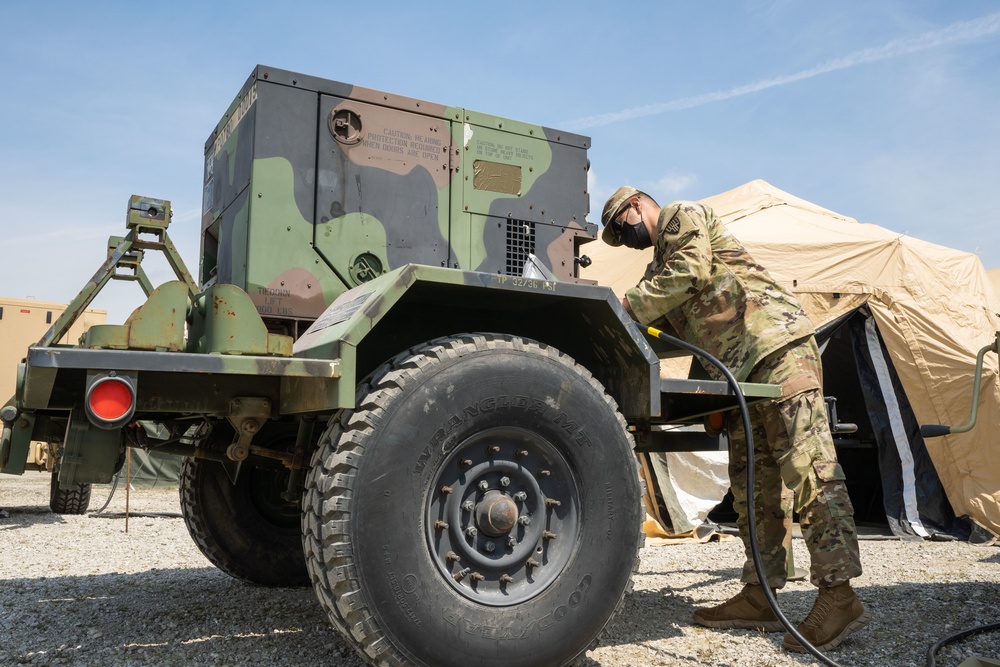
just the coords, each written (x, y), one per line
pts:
(703, 285)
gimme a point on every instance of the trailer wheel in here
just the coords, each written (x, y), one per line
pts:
(245, 529)
(480, 505)
(74, 500)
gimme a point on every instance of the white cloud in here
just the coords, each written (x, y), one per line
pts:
(186, 216)
(957, 33)
(671, 186)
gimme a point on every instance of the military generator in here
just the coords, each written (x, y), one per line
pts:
(387, 380)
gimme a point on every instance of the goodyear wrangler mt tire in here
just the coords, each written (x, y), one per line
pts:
(480, 506)
(245, 529)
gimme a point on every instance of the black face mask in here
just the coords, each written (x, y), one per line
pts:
(636, 236)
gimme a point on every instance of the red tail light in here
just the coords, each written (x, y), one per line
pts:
(110, 401)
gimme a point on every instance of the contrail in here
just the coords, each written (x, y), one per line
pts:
(956, 33)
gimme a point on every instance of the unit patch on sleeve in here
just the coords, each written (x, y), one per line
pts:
(673, 226)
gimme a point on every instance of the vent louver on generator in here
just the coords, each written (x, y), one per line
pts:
(520, 244)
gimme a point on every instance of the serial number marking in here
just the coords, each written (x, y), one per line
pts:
(526, 283)
(341, 312)
(399, 595)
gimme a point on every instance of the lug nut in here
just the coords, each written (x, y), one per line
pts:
(452, 557)
(484, 485)
(524, 520)
(468, 506)
(533, 563)
(445, 490)
(505, 481)
(521, 453)
(493, 449)
(477, 577)
(441, 525)
(506, 579)
(471, 531)
(520, 496)
(490, 547)
(511, 542)
(548, 535)
(552, 502)
(462, 574)
(465, 463)
(544, 473)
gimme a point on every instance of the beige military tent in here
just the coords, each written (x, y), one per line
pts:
(929, 309)
(994, 275)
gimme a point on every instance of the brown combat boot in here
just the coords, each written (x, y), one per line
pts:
(836, 614)
(747, 610)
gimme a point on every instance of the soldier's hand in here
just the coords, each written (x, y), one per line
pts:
(627, 307)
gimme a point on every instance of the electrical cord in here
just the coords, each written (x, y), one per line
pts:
(934, 648)
(758, 563)
(114, 486)
(101, 514)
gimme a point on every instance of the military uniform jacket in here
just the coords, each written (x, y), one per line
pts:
(708, 288)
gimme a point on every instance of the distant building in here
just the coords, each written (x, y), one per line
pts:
(23, 322)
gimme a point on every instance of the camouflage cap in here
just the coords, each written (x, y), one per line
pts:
(611, 207)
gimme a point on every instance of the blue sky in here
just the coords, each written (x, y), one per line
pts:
(884, 111)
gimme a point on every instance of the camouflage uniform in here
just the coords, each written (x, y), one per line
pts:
(707, 288)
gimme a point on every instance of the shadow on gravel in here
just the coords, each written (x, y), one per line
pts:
(12, 518)
(203, 617)
(179, 616)
(921, 614)
(706, 578)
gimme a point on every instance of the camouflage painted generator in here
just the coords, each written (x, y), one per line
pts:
(387, 381)
(314, 187)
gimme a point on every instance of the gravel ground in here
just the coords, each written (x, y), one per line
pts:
(79, 590)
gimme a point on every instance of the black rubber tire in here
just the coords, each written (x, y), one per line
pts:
(245, 537)
(372, 545)
(74, 500)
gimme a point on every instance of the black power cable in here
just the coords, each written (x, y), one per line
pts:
(934, 648)
(111, 494)
(758, 563)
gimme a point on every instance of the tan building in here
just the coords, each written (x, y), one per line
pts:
(23, 322)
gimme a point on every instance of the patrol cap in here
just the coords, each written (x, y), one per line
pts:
(611, 208)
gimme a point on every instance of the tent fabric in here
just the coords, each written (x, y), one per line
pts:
(934, 308)
(695, 482)
(994, 275)
(913, 497)
(150, 468)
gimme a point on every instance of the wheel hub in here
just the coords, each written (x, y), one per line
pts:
(503, 517)
(496, 514)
